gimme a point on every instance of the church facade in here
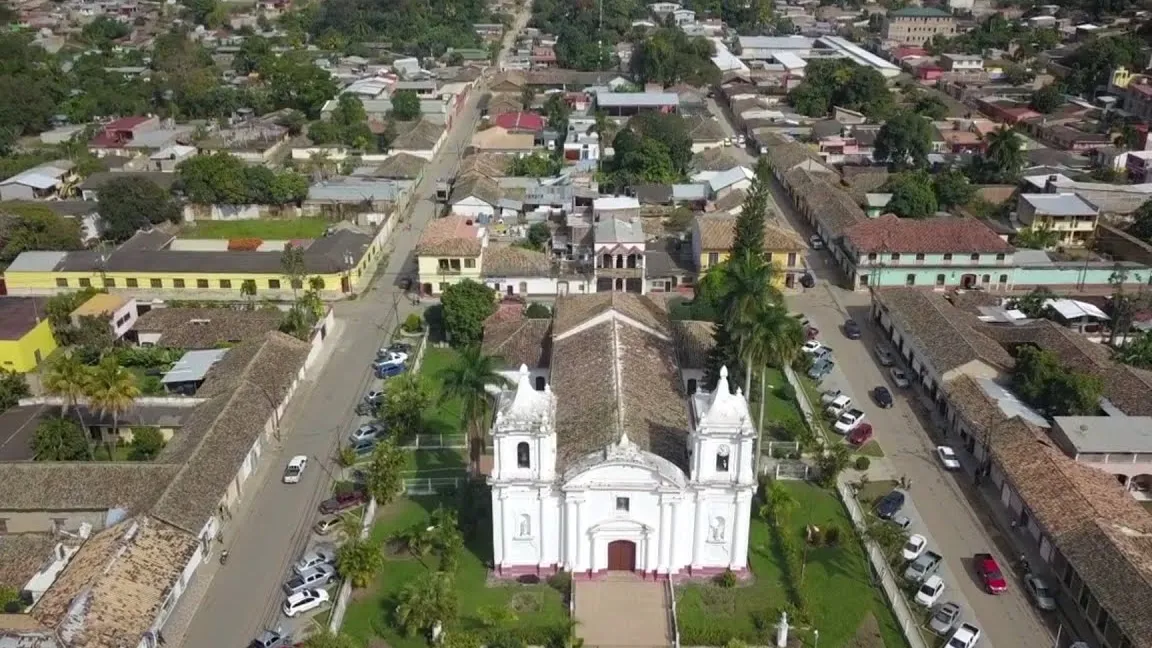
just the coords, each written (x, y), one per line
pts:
(610, 464)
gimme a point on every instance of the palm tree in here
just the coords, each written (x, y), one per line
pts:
(889, 537)
(425, 602)
(747, 292)
(385, 479)
(112, 391)
(778, 502)
(469, 379)
(770, 336)
(1004, 155)
(832, 462)
(68, 378)
(359, 561)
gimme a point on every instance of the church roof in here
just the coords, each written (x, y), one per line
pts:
(614, 373)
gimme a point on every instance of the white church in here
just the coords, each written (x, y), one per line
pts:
(604, 458)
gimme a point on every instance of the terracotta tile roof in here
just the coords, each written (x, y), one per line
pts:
(889, 233)
(418, 136)
(516, 342)
(206, 328)
(492, 165)
(22, 555)
(1125, 387)
(82, 486)
(716, 158)
(1116, 564)
(402, 166)
(513, 262)
(718, 231)
(574, 310)
(704, 128)
(694, 341)
(455, 236)
(476, 186)
(949, 337)
(830, 204)
(784, 154)
(981, 412)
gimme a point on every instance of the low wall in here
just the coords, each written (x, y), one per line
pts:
(193, 212)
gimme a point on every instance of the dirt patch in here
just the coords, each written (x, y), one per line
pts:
(397, 548)
(867, 635)
(522, 602)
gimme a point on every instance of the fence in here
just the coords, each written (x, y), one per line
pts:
(791, 469)
(672, 613)
(908, 624)
(782, 448)
(811, 416)
(438, 441)
(431, 485)
(345, 594)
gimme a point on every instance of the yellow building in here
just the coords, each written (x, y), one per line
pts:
(155, 265)
(450, 250)
(25, 335)
(713, 235)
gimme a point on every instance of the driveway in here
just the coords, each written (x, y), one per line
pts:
(622, 610)
(943, 500)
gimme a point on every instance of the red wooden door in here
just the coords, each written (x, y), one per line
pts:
(622, 556)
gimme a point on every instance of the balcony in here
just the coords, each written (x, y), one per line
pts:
(445, 271)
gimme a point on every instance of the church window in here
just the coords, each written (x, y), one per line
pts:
(539, 383)
(691, 385)
(622, 504)
(722, 459)
(523, 457)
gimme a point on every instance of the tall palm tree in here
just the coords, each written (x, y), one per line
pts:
(68, 378)
(769, 336)
(112, 391)
(1004, 153)
(778, 502)
(469, 379)
(747, 293)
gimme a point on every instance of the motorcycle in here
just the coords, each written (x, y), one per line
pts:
(223, 556)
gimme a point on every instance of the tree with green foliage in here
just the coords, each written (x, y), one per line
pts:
(426, 601)
(537, 310)
(539, 234)
(60, 439)
(67, 378)
(35, 227)
(668, 56)
(405, 105)
(103, 30)
(952, 188)
(133, 203)
(469, 378)
(904, 141)
(347, 125)
(466, 304)
(112, 391)
(325, 639)
(1032, 304)
(1055, 389)
(1037, 237)
(841, 82)
(1047, 99)
(912, 195)
(1017, 75)
(60, 306)
(31, 86)
(384, 475)
(1093, 62)
(1141, 226)
(255, 55)
(293, 267)
(13, 387)
(359, 561)
(534, 165)
(749, 236)
(402, 409)
(147, 442)
(1003, 159)
(557, 110)
(293, 81)
(930, 106)
(1137, 350)
(654, 147)
(224, 179)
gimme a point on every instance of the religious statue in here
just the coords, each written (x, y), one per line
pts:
(717, 529)
(525, 526)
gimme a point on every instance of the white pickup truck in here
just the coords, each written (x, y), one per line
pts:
(838, 405)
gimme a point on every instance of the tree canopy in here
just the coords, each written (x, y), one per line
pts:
(131, 203)
(581, 45)
(843, 83)
(466, 305)
(1046, 99)
(537, 164)
(414, 27)
(224, 179)
(669, 56)
(904, 140)
(912, 195)
(405, 105)
(347, 125)
(1052, 387)
(655, 147)
(1094, 61)
(31, 226)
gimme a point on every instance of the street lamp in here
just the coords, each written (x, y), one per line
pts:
(815, 638)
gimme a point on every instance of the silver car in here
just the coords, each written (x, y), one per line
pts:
(1041, 594)
(318, 576)
(320, 555)
(945, 618)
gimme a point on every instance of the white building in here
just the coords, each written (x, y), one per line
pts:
(611, 466)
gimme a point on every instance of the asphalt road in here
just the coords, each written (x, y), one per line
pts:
(244, 596)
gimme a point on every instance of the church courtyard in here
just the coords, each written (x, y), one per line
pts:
(835, 583)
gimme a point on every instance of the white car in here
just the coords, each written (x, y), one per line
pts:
(849, 420)
(816, 242)
(304, 601)
(830, 395)
(812, 346)
(899, 377)
(324, 554)
(948, 457)
(838, 405)
(930, 591)
(390, 359)
(966, 636)
(295, 469)
(914, 547)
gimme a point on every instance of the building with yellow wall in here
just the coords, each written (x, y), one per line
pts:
(714, 234)
(153, 265)
(450, 250)
(25, 335)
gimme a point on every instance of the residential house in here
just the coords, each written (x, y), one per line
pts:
(402, 166)
(705, 131)
(669, 266)
(90, 187)
(450, 250)
(1067, 214)
(168, 158)
(121, 312)
(619, 244)
(119, 133)
(1138, 100)
(935, 252)
(722, 183)
(917, 25)
(357, 195)
(500, 140)
(626, 104)
(964, 63)
(422, 138)
(477, 197)
(713, 236)
(521, 122)
(25, 334)
(1120, 445)
(38, 183)
(202, 328)
(1071, 138)
(514, 271)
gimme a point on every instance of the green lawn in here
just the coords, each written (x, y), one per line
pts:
(538, 608)
(444, 417)
(836, 583)
(119, 453)
(267, 229)
(444, 462)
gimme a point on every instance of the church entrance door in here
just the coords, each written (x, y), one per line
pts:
(622, 555)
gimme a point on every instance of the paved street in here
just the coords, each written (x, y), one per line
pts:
(272, 528)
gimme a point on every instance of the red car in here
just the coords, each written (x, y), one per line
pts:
(861, 434)
(343, 502)
(989, 572)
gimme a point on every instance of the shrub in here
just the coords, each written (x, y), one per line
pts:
(831, 535)
(147, 442)
(786, 392)
(727, 579)
(412, 323)
(561, 582)
(537, 311)
(528, 579)
(862, 463)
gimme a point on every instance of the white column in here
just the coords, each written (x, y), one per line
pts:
(740, 530)
(498, 528)
(578, 534)
(664, 537)
(570, 533)
(673, 564)
(542, 538)
(699, 531)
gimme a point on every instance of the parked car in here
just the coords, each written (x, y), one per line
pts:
(400, 347)
(389, 371)
(812, 346)
(915, 546)
(890, 505)
(989, 572)
(883, 397)
(807, 280)
(390, 357)
(920, 569)
(318, 576)
(295, 469)
(860, 435)
(320, 555)
(899, 377)
(848, 420)
(326, 524)
(363, 448)
(343, 502)
(820, 369)
(948, 457)
(816, 242)
(829, 395)
(374, 397)
(271, 639)
(851, 330)
(810, 332)
(366, 432)
(304, 601)
(823, 353)
(966, 636)
(901, 521)
(838, 405)
(930, 591)
(945, 618)
(1041, 594)
(884, 355)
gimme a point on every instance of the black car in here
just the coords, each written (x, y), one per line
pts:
(852, 330)
(883, 397)
(890, 505)
(807, 281)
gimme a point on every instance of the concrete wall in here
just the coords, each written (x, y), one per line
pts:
(238, 212)
(25, 354)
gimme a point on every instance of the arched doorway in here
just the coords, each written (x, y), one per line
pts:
(1141, 484)
(622, 555)
(968, 281)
